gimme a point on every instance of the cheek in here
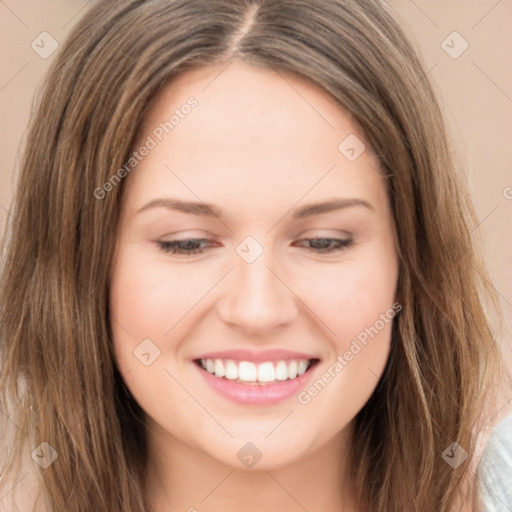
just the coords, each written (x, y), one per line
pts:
(146, 299)
(352, 296)
(141, 306)
(356, 302)
(358, 306)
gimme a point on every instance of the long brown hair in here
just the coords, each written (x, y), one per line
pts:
(58, 377)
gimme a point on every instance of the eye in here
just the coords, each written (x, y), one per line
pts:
(198, 245)
(188, 246)
(327, 245)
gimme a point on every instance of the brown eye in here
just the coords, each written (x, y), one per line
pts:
(327, 245)
(188, 246)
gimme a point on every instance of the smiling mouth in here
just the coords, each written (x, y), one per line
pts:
(264, 373)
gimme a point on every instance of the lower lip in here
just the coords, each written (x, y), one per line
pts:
(256, 394)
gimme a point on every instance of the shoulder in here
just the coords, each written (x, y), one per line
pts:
(19, 490)
(495, 468)
(21, 494)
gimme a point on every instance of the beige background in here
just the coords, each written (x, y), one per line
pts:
(476, 89)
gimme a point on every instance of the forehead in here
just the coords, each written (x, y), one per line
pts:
(252, 130)
(259, 99)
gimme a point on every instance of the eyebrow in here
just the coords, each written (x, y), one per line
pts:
(329, 206)
(210, 210)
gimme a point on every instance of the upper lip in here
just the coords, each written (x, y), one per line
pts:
(258, 356)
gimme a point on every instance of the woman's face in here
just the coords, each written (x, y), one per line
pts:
(238, 173)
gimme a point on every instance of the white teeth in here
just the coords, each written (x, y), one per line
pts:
(266, 372)
(292, 369)
(302, 367)
(219, 367)
(281, 371)
(231, 370)
(247, 371)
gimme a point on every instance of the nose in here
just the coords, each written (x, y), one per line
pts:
(257, 299)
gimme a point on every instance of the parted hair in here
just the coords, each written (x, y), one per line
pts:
(59, 380)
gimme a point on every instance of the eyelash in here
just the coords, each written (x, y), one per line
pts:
(173, 247)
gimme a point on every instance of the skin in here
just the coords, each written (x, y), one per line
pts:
(258, 146)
